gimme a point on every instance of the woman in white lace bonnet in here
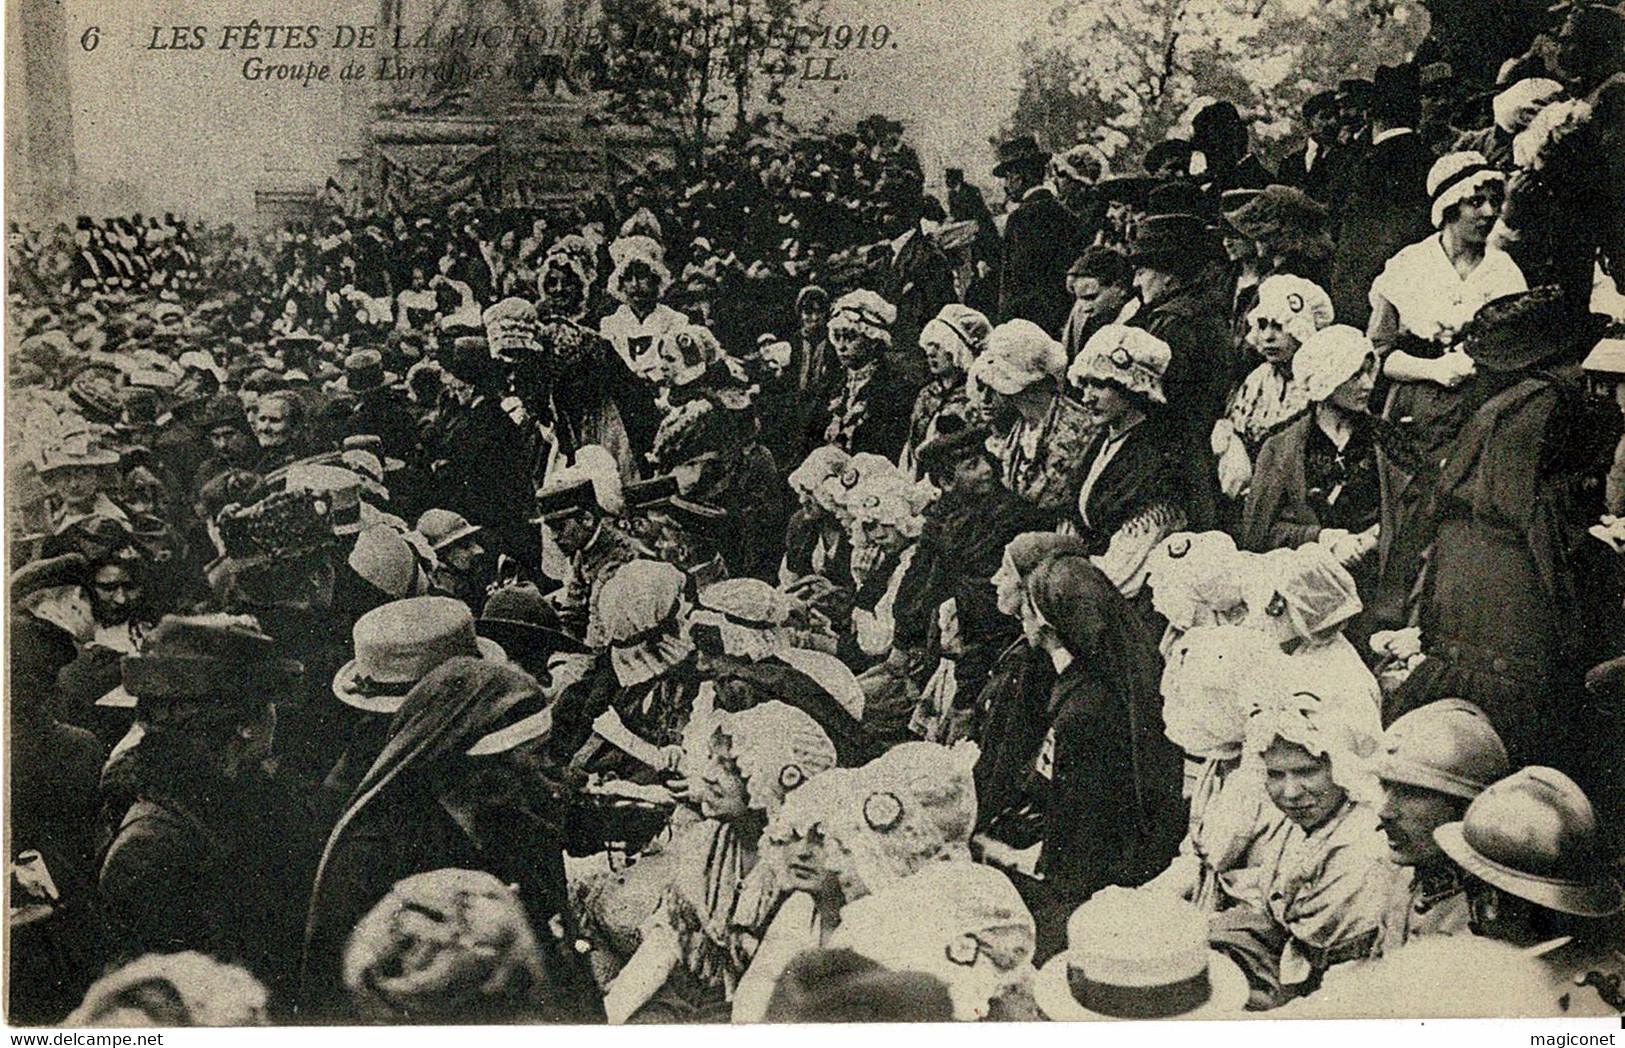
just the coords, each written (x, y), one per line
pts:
(709, 922)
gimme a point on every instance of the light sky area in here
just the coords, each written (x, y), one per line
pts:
(183, 131)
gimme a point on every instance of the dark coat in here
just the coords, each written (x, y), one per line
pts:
(961, 546)
(489, 815)
(1149, 471)
(1013, 708)
(1041, 240)
(477, 470)
(1204, 363)
(1278, 513)
(220, 868)
(1382, 206)
(885, 402)
(384, 413)
(1314, 181)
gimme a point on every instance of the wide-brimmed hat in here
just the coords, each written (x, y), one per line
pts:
(75, 450)
(364, 371)
(518, 618)
(443, 528)
(1523, 329)
(1534, 835)
(592, 482)
(1166, 238)
(1276, 210)
(1021, 151)
(398, 644)
(373, 445)
(340, 487)
(225, 658)
(1138, 954)
(96, 391)
(282, 526)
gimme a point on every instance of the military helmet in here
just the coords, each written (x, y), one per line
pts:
(1534, 835)
(1449, 747)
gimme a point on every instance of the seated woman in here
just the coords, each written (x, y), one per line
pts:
(883, 521)
(796, 841)
(1041, 452)
(709, 922)
(1303, 599)
(1098, 829)
(951, 343)
(946, 610)
(1289, 310)
(961, 922)
(1134, 485)
(1320, 890)
(1317, 478)
(628, 717)
(815, 541)
(1214, 677)
(1013, 706)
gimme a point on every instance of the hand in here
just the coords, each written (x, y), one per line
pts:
(1606, 675)
(1454, 368)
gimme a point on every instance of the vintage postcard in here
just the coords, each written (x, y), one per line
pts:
(805, 511)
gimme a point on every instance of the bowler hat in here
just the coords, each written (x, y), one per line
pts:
(221, 657)
(364, 371)
(1021, 151)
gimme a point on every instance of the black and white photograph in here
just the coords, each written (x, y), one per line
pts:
(726, 512)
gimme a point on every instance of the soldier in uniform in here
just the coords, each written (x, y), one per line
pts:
(1436, 760)
(579, 506)
(1539, 879)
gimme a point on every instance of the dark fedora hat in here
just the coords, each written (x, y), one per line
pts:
(1127, 189)
(222, 658)
(1520, 330)
(1021, 151)
(525, 624)
(1177, 197)
(1168, 238)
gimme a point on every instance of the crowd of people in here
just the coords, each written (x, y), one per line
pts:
(770, 593)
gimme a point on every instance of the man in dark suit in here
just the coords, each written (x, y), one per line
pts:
(1040, 240)
(1220, 135)
(1307, 167)
(1382, 200)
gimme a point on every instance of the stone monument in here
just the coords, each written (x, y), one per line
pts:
(506, 124)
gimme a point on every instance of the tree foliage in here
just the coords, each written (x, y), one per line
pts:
(1125, 73)
(685, 65)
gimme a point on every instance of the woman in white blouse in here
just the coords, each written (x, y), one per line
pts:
(1419, 303)
(1428, 291)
